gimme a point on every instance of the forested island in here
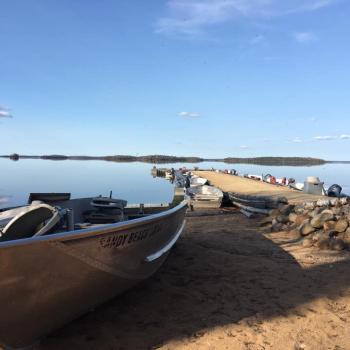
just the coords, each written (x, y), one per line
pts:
(164, 159)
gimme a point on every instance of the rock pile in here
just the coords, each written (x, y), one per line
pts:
(324, 224)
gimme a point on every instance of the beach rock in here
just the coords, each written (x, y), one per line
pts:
(321, 218)
(345, 210)
(323, 244)
(346, 236)
(336, 244)
(299, 209)
(301, 219)
(309, 205)
(306, 229)
(337, 210)
(334, 201)
(318, 235)
(329, 225)
(283, 219)
(308, 242)
(341, 225)
(344, 200)
(315, 212)
(323, 202)
(286, 209)
(292, 217)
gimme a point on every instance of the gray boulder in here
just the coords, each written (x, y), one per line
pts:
(321, 218)
(329, 225)
(341, 225)
(306, 229)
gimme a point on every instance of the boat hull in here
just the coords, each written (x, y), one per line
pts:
(48, 281)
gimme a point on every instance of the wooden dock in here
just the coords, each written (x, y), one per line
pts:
(245, 186)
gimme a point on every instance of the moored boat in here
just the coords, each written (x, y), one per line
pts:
(205, 196)
(60, 259)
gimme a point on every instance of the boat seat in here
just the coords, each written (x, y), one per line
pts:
(34, 221)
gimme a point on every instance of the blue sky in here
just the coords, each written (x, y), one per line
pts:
(207, 78)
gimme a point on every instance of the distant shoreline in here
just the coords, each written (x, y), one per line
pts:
(164, 159)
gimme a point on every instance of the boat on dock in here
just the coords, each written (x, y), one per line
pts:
(204, 196)
(61, 257)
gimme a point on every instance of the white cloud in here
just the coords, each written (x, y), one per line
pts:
(331, 138)
(297, 140)
(191, 17)
(325, 138)
(243, 147)
(189, 114)
(5, 112)
(304, 37)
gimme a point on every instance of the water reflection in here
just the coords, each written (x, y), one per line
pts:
(130, 181)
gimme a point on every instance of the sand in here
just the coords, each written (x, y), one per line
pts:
(230, 183)
(226, 285)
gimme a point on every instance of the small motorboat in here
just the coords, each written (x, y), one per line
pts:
(204, 196)
(61, 257)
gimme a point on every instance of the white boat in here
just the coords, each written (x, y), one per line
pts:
(205, 196)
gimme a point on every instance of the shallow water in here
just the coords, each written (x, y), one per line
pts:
(130, 181)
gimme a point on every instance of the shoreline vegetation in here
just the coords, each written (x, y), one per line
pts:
(164, 159)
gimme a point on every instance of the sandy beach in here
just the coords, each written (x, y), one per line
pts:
(226, 285)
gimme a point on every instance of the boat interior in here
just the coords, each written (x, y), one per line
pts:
(47, 213)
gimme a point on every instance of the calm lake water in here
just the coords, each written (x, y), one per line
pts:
(130, 181)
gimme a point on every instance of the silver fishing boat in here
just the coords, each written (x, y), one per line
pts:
(59, 258)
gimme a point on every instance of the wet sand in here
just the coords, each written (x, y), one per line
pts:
(230, 183)
(226, 285)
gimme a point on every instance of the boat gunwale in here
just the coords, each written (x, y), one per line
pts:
(91, 231)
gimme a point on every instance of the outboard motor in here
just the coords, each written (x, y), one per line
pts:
(107, 210)
(334, 191)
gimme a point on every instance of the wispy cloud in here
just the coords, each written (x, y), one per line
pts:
(244, 147)
(304, 37)
(325, 138)
(344, 137)
(297, 140)
(191, 17)
(5, 112)
(189, 114)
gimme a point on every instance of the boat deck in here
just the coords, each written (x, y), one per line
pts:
(230, 183)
